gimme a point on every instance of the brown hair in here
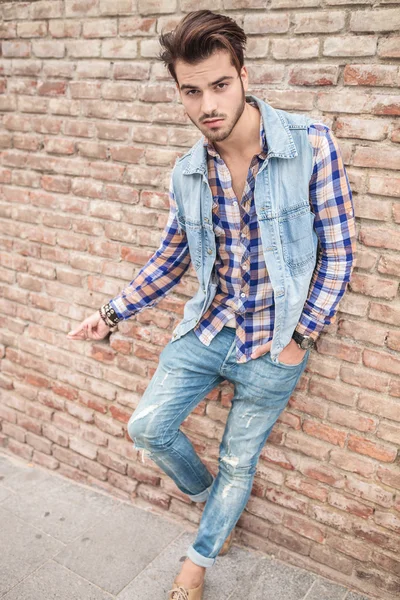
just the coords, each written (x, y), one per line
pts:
(198, 35)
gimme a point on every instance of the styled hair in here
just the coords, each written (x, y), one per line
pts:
(198, 35)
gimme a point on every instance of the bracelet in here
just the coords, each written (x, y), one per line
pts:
(108, 315)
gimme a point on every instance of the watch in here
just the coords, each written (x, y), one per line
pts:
(304, 341)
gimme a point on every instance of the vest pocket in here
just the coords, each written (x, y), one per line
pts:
(296, 232)
(194, 234)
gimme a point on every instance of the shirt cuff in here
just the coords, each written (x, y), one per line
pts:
(312, 332)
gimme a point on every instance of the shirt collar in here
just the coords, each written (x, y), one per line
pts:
(213, 152)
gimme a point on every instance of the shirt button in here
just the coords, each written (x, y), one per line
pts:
(234, 203)
(209, 251)
(243, 294)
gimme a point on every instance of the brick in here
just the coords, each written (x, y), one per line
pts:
(16, 49)
(348, 462)
(319, 22)
(379, 238)
(335, 560)
(353, 548)
(389, 265)
(382, 452)
(381, 75)
(325, 432)
(48, 49)
(22, 450)
(341, 350)
(49, 462)
(119, 48)
(134, 70)
(264, 24)
(306, 487)
(11, 430)
(387, 19)
(257, 47)
(343, 101)
(381, 158)
(375, 210)
(83, 48)
(366, 129)
(100, 28)
(393, 340)
(351, 419)
(290, 541)
(149, 7)
(298, 48)
(136, 26)
(39, 443)
(326, 515)
(115, 7)
(32, 29)
(300, 442)
(350, 505)
(389, 475)
(382, 361)
(260, 73)
(384, 185)
(149, 48)
(373, 286)
(83, 8)
(369, 403)
(153, 495)
(385, 105)
(350, 46)
(64, 29)
(47, 9)
(389, 47)
(386, 562)
(157, 93)
(389, 432)
(313, 75)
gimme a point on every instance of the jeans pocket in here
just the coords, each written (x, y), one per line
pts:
(294, 366)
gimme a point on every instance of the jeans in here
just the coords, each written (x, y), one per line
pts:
(187, 371)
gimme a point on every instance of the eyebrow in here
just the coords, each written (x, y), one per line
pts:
(187, 86)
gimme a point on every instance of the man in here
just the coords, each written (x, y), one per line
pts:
(262, 206)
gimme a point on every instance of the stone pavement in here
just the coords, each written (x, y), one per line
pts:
(63, 540)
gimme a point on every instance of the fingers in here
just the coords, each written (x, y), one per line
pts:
(80, 333)
(261, 350)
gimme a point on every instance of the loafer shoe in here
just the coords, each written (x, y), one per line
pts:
(227, 544)
(179, 592)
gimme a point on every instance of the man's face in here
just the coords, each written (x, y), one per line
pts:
(212, 89)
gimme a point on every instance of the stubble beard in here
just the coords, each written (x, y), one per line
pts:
(220, 135)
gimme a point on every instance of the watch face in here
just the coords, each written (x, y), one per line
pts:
(307, 343)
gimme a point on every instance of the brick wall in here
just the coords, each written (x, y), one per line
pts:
(90, 128)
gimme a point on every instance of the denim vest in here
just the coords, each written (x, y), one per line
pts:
(281, 198)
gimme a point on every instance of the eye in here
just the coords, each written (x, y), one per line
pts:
(224, 84)
(189, 93)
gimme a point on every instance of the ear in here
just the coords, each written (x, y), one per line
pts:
(244, 75)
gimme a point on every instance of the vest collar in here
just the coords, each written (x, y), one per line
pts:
(279, 139)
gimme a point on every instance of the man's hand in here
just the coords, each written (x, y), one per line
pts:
(292, 354)
(92, 328)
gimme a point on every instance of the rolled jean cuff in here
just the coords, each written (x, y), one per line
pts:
(199, 559)
(203, 496)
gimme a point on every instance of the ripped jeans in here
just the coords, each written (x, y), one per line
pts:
(187, 371)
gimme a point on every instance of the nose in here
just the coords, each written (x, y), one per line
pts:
(208, 105)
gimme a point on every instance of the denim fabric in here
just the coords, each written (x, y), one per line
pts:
(286, 222)
(187, 371)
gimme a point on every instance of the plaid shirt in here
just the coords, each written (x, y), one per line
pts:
(245, 291)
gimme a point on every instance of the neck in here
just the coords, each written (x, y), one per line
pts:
(245, 137)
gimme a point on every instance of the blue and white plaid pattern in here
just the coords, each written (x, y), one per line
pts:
(245, 291)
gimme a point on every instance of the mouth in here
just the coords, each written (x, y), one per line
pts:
(213, 123)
